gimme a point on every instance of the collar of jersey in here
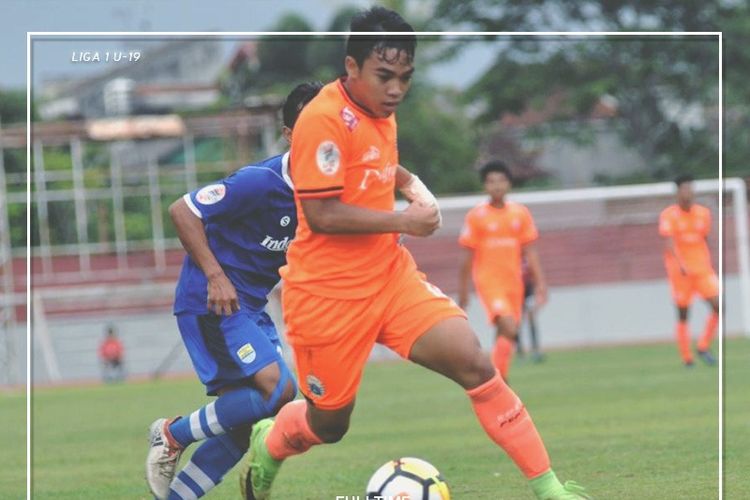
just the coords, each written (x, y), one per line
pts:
(350, 101)
(285, 170)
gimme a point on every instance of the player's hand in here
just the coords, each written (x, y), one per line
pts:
(421, 219)
(222, 296)
(540, 295)
(415, 190)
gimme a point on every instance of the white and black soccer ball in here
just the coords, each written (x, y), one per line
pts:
(407, 478)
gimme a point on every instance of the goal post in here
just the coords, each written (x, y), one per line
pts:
(606, 239)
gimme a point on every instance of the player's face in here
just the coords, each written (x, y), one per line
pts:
(685, 193)
(381, 83)
(497, 185)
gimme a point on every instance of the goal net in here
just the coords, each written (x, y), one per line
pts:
(602, 256)
(599, 247)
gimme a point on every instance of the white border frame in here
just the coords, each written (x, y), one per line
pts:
(229, 34)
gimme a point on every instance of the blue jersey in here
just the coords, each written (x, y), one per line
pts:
(250, 219)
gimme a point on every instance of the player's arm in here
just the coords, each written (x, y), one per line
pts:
(464, 277)
(222, 296)
(332, 216)
(537, 275)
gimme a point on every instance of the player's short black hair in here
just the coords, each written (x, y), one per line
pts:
(682, 179)
(297, 99)
(381, 21)
(495, 166)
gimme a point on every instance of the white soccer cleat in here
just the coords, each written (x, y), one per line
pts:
(163, 456)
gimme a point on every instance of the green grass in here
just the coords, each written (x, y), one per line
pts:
(627, 422)
(13, 437)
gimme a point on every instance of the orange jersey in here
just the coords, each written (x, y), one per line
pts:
(340, 151)
(688, 231)
(497, 235)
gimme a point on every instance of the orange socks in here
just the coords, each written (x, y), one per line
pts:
(502, 355)
(709, 332)
(291, 434)
(683, 341)
(507, 423)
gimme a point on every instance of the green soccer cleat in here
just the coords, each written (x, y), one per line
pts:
(260, 469)
(547, 487)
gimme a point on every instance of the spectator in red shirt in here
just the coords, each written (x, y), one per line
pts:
(110, 354)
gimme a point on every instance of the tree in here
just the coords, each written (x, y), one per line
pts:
(436, 141)
(285, 58)
(662, 85)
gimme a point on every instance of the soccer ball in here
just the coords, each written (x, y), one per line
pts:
(407, 479)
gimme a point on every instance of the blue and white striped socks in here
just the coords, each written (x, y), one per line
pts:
(208, 465)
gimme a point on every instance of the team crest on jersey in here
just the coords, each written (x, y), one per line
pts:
(516, 224)
(315, 385)
(371, 154)
(211, 194)
(328, 157)
(246, 353)
(350, 119)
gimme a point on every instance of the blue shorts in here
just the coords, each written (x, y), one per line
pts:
(226, 350)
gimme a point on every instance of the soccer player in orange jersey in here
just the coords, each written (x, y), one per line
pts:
(348, 282)
(685, 227)
(496, 235)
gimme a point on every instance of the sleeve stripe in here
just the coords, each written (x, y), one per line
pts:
(192, 206)
(320, 194)
(321, 190)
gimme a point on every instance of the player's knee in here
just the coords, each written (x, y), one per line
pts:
(475, 370)
(276, 385)
(332, 432)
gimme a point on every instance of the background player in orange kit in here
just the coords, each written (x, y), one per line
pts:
(496, 235)
(348, 282)
(685, 227)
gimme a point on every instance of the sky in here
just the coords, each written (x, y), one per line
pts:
(52, 59)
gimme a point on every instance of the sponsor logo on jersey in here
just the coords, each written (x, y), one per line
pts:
(275, 245)
(515, 224)
(371, 154)
(315, 385)
(211, 194)
(385, 175)
(350, 119)
(328, 157)
(246, 353)
(284, 222)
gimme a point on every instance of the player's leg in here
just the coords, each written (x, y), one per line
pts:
(503, 305)
(506, 335)
(238, 359)
(682, 335)
(682, 293)
(329, 371)
(708, 288)
(536, 353)
(245, 358)
(428, 328)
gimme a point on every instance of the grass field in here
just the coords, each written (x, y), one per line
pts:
(627, 422)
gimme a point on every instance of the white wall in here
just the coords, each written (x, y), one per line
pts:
(575, 316)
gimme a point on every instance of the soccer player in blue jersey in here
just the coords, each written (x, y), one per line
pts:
(236, 232)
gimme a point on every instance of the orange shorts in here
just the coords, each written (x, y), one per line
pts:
(502, 301)
(332, 338)
(684, 287)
